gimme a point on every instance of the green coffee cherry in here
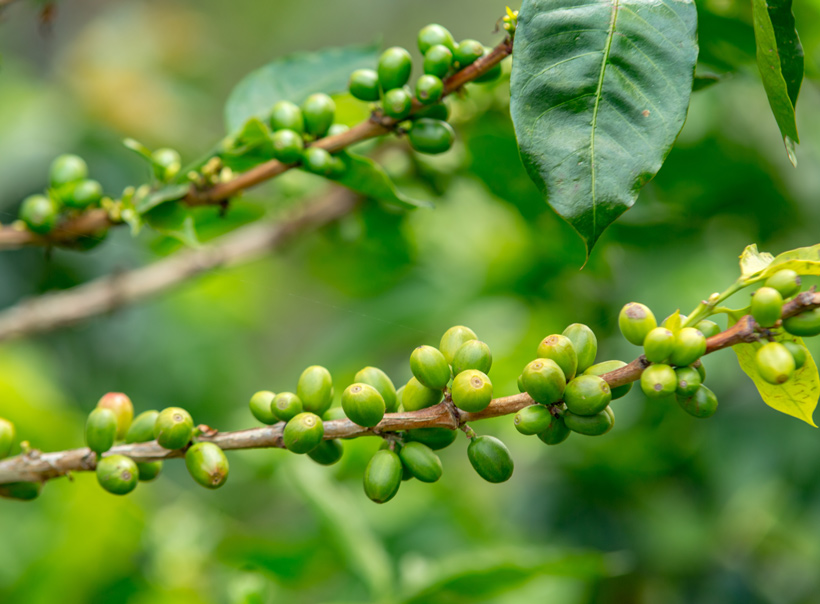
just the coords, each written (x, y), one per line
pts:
(606, 367)
(380, 381)
(453, 339)
(587, 395)
(100, 430)
(333, 413)
(785, 281)
(532, 419)
(141, 429)
(437, 60)
(429, 89)
(315, 389)
(472, 391)
(658, 345)
(303, 433)
(6, 437)
(689, 381)
(559, 349)
(327, 452)
(590, 425)
(690, 345)
(435, 438)
(363, 404)
(430, 367)
(364, 85)
(40, 214)
(701, 370)
(433, 34)
(584, 343)
(287, 116)
(285, 406)
(556, 433)
(703, 403)
(420, 460)
(382, 476)
(416, 395)
(798, 352)
(123, 409)
(806, 324)
(317, 161)
(520, 384)
(394, 68)
(708, 328)
(658, 381)
(67, 168)
(473, 354)
(431, 136)
(148, 470)
(318, 111)
(24, 491)
(490, 458)
(767, 304)
(492, 74)
(775, 364)
(397, 103)
(84, 194)
(468, 52)
(260, 406)
(207, 464)
(174, 428)
(438, 111)
(544, 381)
(337, 129)
(288, 146)
(117, 474)
(636, 321)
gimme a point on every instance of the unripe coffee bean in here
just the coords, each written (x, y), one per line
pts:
(66, 169)
(658, 381)
(799, 353)
(490, 458)
(382, 476)
(334, 413)
(435, 438)
(433, 34)
(6, 437)
(689, 381)
(556, 433)
(584, 343)
(544, 381)
(453, 339)
(430, 367)
(767, 303)
(141, 429)
(207, 464)
(315, 389)
(303, 433)
(703, 403)
(468, 52)
(590, 425)
(285, 406)
(606, 367)
(148, 470)
(429, 89)
(559, 349)
(377, 378)
(775, 364)
(288, 146)
(708, 328)
(100, 430)
(117, 474)
(785, 281)
(420, 460)
(431, 136)
(260, 406)
(806, 324)
(416, 395)
(327, 452)
(84, 194)
(397, 103)
(174, 428)
(318, 111)
(363, 404)
(123, 410)
(473, 354)
(40, 213)
(287, 116)
(394, 68)
(690, 345)
(636, 321)
(472, 391)
(364, 85)
(437, 60)
(532, 419)
(658, 345)
(587, 395)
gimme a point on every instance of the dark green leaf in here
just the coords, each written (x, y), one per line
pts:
(365, 176)
(173, 220)
(599, 92)
(704, 80)
(294, 78)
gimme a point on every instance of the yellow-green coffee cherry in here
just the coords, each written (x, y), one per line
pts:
(260, 406)
(606, 367)
(658, 345)
(67, 168)
(775, 364)
(285, 406)
(6, 437)
(364, 85)
(327, 452)
(584, 343)
(394, 68)
(334, 413)
(690, 345)
(468, 52)
(636, 321)
(148, 470)
(433, 34)
(100, 430)
(799, 354)
(24, 491)
(173, 428)
(473, 354)
(397, 103)
(141, 429)
(544, 381)
(658, 381)
(590, 425)
(806, 324)
(40, 213)
(556, 433)
(84, 194)
(377, 378)
(532, 419)
(708, 328)
(520, 383)
(363, 404)
(123, 410)
(453, 339)
(689, 381)
(431, 136)
(317, 161)
(416, 395)
(430, 367)
(703, 403)
(382, 476)
(701, 370)
(315, 389)
(318, 111)
(472, 391)
(559, 349)
(587, 395)
(207, 464)
(767, 303)
(490, 458)
(287, 116)
(288, 146)
(429, 89)
(420, 460)
(435, 438)
(303, 433)
(785, 281)
(437, 60)
(117, 474)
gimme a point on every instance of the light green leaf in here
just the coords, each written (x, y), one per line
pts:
(753, 261)
(294, 78)
(173, 220)
(599, 92)
(365, 176)
(804, 261)
(160, 196)
(249, 147)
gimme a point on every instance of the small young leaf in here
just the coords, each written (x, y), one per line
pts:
(173, 220)
(160, 196)
(365, 176)
(752, 261)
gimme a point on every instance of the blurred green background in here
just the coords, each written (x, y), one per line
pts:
(666, 508)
